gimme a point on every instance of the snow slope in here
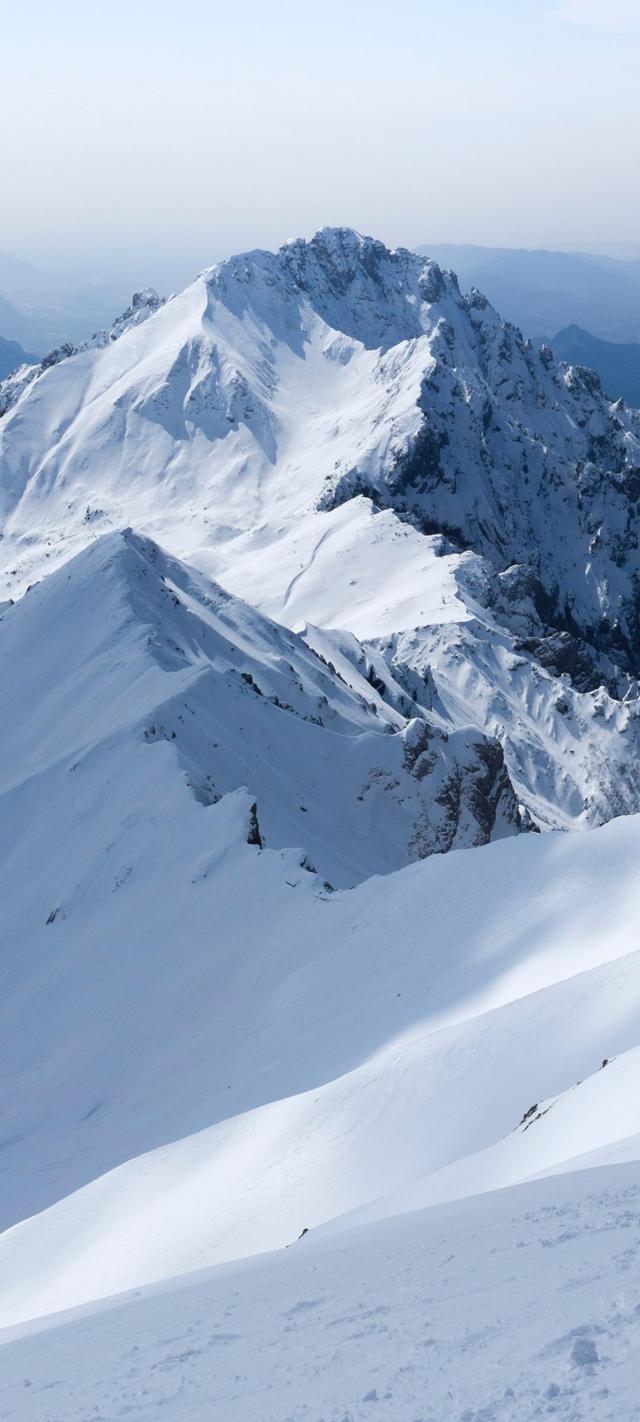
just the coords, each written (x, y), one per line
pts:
(594, 1123)
(514, 1306)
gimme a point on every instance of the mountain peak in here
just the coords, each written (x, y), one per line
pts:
(338, 249)
(344, 256)
(375, 294)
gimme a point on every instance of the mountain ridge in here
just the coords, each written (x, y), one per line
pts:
(543, 289)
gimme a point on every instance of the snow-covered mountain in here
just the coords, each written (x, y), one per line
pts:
(338, 367)
(340, 437)
(311, 574)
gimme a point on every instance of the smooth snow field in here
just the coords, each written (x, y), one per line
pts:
(518, 1305)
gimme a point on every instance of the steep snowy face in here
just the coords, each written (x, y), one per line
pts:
(126, 648)
(572, 749)
(219, 416)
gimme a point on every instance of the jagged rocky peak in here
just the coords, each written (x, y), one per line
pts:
(144, 303)
(148, 296)
(385, 288)
(343, 259)
(515, 457)
(376, 295)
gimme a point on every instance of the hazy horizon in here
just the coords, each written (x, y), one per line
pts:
(151, 145)
(124, 274)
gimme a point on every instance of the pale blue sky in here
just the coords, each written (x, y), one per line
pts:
(195, 128)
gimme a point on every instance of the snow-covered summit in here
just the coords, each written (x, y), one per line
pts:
(356, 284)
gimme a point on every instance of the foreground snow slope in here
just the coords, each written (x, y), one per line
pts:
(255, 1181)
(514, 1306)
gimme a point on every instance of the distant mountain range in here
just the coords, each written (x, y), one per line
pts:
(41, 309)
(14, 325)
(545, 291)
(617, 365)
(12, 356)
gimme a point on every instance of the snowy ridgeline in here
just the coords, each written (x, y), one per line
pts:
(244, 994)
